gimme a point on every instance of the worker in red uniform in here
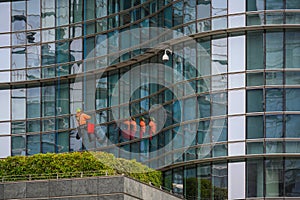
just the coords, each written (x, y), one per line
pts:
(132, 128)
(152, 127)
(126, 130)
(142, 127)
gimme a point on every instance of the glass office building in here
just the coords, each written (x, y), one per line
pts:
(229, 93)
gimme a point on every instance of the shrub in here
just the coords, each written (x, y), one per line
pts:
(73, 164)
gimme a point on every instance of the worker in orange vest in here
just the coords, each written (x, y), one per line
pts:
(142, 127)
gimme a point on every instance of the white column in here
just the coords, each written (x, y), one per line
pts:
(236, 180)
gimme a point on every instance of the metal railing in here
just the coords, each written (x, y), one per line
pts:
(29, 177)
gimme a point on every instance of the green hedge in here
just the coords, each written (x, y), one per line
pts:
(72, 164)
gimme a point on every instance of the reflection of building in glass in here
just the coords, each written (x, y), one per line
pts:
(236, 136)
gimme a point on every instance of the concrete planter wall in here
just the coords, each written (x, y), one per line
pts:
(93, 188)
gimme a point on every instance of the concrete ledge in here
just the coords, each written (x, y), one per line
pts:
(92, 188)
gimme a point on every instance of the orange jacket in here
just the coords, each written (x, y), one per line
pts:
(81, 118)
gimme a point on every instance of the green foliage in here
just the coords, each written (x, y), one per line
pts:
(73, 164)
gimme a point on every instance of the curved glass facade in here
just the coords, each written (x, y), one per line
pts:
(225, 102)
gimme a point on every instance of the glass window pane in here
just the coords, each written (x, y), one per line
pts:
(274, 4)
(203, 132)
(218, 7)
(219, 130)
(219, 104)
(219, 56)
(33, 144)
(18, 15)
(18, 127)
(254, 5)
(33, 14)
(48, 13)
(48, 143)
(219, 150)
(18, 145)
(33, 126)
(291, 177)
(292, 51)
(292, 4)
(255, 50)
(18, 108)
(292, 99)
(204, 181)
(255, 148)
(292, 147)
(255, 126)
(63, 142)
(219, 23)
(274, 78)
(274, 50)
(255, 178)
(33, 102)
(255, 79)
(292, 126)
(203, 9)
(292, 78)
(274, 147)
(274, 18)
(255, 19)
(255, 101)
(274, 178)
(219, 181)
(274, 126)
(204, 61)
(274, 99)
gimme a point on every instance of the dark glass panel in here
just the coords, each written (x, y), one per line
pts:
(274, 99)
(254, 5)
(190, 183)
(255, 125)
(204, 181)
(291, 177)
(219, 181)
(255, 100)
(292, 96)
(255, 148)
(274, 126)
(292, 126)
(203, 9)
(274, 178)
(255, 50)
(292, 42)
(274, 50)
(255, 178)
(33, 144)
